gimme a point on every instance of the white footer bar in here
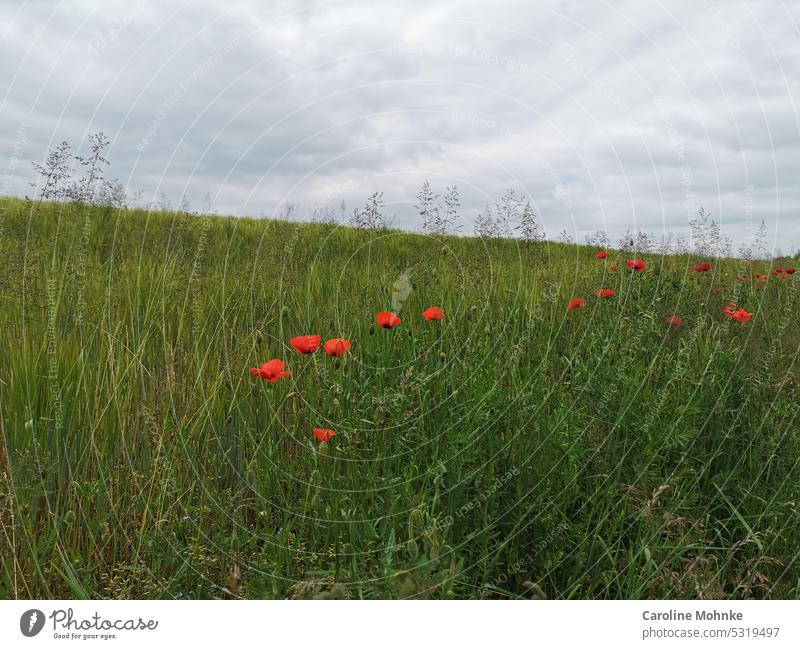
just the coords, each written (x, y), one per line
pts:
(324, 624)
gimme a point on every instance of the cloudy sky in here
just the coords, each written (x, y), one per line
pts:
(623, 115)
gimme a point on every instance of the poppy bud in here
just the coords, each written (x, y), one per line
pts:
(259, 336)
(284, 311)
(487, 331)
(335, 402)
(371, 329)
(336, 363)
(442, 357)
(449, 390)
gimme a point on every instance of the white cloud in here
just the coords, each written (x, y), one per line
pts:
(596, 111)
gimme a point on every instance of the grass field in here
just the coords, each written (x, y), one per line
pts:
(514, 449)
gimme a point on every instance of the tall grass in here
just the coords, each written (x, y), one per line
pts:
(512, 450)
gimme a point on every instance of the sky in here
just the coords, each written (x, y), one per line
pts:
(626, 115)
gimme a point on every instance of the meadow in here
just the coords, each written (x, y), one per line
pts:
(515, 449)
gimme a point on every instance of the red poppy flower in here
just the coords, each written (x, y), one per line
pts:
(762, 278)
(740, 315)
(674, 321)
(742, 279)
(703, 267)
(387, 319)
(779, 271)
(615, 268)
(577, 303)
(637, 265)
(717, 290)
(790, 271)
(336, 346)
(324, 434)
(601, 255)
(271, 370)
(605, 293)
(729, 309)
(433, 313)
(306, 344)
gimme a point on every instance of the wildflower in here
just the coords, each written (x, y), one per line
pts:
(740, 315)
(675, 321)
(324, 434)
(271, 370)
(729, 309)
(636, 265)
(762, 278)
(336, 346)
(387, 319)
(606, 293)
(790, 271)
(433, 313)
(743, 279)
(601, 255)
(615, 268)
(576, 303)
(306, 344)
(703, 267)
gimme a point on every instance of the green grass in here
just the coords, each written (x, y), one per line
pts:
(512, 450)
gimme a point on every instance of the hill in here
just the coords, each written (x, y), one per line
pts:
(514, 449)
